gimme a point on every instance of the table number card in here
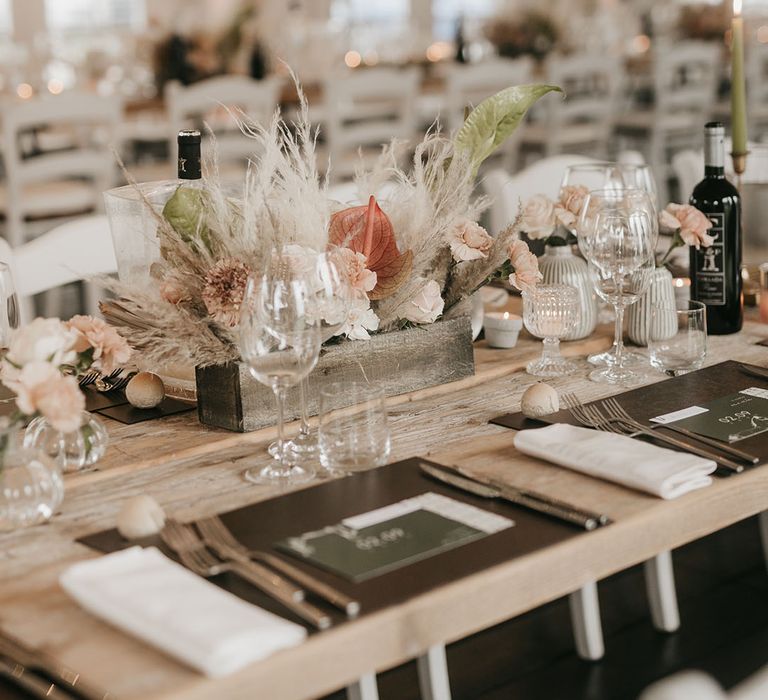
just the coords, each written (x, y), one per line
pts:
(388, 538)
(729, 419)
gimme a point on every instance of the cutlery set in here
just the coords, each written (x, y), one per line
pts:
(41, 676)
(115, 381)
(209, 549)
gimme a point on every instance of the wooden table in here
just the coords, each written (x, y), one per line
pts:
(193, 471)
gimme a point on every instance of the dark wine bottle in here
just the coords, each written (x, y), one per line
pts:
(188, 166)
(716, 271)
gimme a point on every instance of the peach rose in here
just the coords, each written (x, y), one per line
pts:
(538, 219)
(110, 350)
(352, 265)
(41, 388)
(525, 264)
(426, 305)
(43, 340)
(693, 225)
(469, 241)
(572, 198)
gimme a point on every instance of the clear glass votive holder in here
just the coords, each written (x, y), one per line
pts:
(763, 269)
(356, 437)
(677, 337)
(550, 311)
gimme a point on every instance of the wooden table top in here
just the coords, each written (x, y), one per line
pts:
(195, 471)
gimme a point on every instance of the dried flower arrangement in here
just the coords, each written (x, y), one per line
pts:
(416, 253)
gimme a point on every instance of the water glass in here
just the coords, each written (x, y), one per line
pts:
(550, 311)
(354, 434)
(677, 339)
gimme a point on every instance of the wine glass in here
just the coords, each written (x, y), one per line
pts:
(280, 343)
(607, 175)
(9, 306)
(617, 236)
(550, 311)
(330, 296)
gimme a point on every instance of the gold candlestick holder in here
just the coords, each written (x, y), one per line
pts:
(739, 166)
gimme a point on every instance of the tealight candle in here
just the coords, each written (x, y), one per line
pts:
(682, 287)
(502, 329)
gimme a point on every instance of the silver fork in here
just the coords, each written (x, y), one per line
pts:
(617, 409)
(216, 535)
(105, 383)
(193, 553)
(593, 417)
(88, 378)
(121, 382)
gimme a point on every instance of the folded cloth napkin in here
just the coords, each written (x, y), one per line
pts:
(146, 594)
(629, 462)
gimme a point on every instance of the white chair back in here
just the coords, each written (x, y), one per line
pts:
(88, 126)
(214, 101)
(70, 252)
(468, 85)
(757, 78)
(688, 685)
(591, 84)
(685, 78)
(367, 108)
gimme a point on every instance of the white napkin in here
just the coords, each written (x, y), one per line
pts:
(146, 594)
(629, 462)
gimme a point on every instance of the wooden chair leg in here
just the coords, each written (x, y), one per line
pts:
(585, 618)
(433, 674)
(365, 688)
(762, 521)
(660, 588)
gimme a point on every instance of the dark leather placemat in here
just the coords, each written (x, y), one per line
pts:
(262, 524)
(647, 402)
(125, 413)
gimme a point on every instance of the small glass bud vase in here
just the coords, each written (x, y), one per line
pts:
(71, 451)
(31, 487)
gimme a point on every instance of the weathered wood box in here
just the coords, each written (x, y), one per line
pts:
(399, 362)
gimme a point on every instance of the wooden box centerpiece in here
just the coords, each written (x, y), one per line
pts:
(399, 362)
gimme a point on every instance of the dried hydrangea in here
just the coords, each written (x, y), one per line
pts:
(224, 290)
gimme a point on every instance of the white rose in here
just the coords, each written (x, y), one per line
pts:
(426, 305)
(538, 219)
(360, 319)
(43, 340)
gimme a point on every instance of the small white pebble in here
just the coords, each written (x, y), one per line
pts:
(539, 400)
(145, 390)
(140, 516)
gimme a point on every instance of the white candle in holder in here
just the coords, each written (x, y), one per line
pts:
(502, 329)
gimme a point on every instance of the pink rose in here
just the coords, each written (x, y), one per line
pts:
(572, 198)
(426, 305)
(110, 350)
(469, 241)
(538, 218)
(693, 225)
(173, 291)
(525, 264)
(352, 265)
(41, 388)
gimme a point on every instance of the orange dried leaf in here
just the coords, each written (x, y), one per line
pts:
(368, 230)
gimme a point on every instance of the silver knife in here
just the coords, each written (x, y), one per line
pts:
(556, 509)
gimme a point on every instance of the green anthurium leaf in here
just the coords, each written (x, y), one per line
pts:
(489, 124)
(185, 212)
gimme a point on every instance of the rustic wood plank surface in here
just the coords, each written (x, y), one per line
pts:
(193, 471)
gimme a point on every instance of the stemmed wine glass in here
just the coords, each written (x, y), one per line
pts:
(617, 236)
(330, 296)
(606, 175)
(280, 343)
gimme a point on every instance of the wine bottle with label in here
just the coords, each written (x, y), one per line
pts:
(188, 166)
(716, 271)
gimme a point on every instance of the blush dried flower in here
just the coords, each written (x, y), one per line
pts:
(224, 290)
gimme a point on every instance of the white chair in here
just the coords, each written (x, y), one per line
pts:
(364, 110)
(210, 101)
(696, 685)
(757, 89)
(685, 87)
(73, 251)
(48, 187)
(583, 119)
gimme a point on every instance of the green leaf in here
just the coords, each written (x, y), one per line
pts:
(185, 212)
(490, 123)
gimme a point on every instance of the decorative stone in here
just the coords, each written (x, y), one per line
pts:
(145, 390)
(539, 400)
(399, 362)
(140, 516)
